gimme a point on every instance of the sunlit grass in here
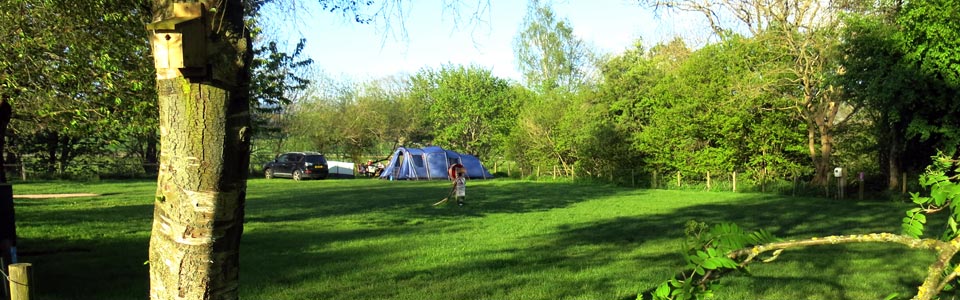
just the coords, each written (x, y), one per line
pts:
(372, 239)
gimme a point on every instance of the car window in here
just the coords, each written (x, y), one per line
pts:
(294, 157)
(315, 159)
(282, 157)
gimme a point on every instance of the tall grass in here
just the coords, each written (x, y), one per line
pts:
(373, 239)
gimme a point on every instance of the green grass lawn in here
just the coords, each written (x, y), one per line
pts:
(372, 239)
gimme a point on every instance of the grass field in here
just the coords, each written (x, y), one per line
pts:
(372, 239)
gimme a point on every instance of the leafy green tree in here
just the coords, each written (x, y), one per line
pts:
(930, 37)
(806, 33)
(399, 117)
(555, 64)
(893, 66)
(703, 111)
(71, 80)
(470, 109)
(358, 119)
(549, 55)
(542, 135)
(278, 80)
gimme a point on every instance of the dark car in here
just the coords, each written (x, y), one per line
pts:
(297, 165)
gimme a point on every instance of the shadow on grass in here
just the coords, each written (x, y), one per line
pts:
(784, 217)
(796, 217)
(572, 248)
(285, 255)
(411, 199)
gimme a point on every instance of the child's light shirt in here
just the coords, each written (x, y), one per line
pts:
(461, 186)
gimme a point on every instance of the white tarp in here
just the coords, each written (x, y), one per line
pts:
(340, 169)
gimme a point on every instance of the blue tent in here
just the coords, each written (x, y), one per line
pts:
(430, 163)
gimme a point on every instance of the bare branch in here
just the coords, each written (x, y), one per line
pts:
(934, 282)
(911, 242)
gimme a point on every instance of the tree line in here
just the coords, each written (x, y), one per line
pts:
(785, 93)
(793, 95)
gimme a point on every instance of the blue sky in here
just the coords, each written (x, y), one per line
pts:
(435, 37)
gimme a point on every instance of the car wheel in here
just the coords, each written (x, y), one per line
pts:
(297, 175)
(268, 173)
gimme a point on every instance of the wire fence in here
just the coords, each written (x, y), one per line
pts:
(82, 171)
(850, 185)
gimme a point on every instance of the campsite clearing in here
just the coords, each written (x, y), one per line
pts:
(516, 240)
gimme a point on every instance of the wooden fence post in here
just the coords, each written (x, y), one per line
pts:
(827, 188)
(763, 180)
(708, 180)
(678, 178)
(653, 182)
(633, 178)
(860, 181)
(796, 184)
(903, 189)
(20, 281)
(734, 181)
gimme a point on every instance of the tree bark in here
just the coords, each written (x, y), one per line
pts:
(204, 155)
(151, 158)
(52, 139)
(8, 225)
(66, 145)
(6, 112)
(893, 165)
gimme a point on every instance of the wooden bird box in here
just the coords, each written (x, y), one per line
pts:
(181, 42)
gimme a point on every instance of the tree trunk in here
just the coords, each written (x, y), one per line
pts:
(8, 225)
(820, 117)
(66, 153)
(52, 139)
(6, 112)
(894, 154)
(150, 158)
(819, 158)
(204, 155)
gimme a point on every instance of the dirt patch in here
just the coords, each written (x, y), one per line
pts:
(45, 196)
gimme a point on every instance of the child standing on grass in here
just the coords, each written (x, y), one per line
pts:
(459, 176)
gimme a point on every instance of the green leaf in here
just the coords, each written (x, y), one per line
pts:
(710, 264)
(662, 292)
(952, 222)
(714, 263)
(912, 230)
(919, 200)
(702, 254)
(892, 296)
(675, 283)
(920, 218)
(939, 196)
